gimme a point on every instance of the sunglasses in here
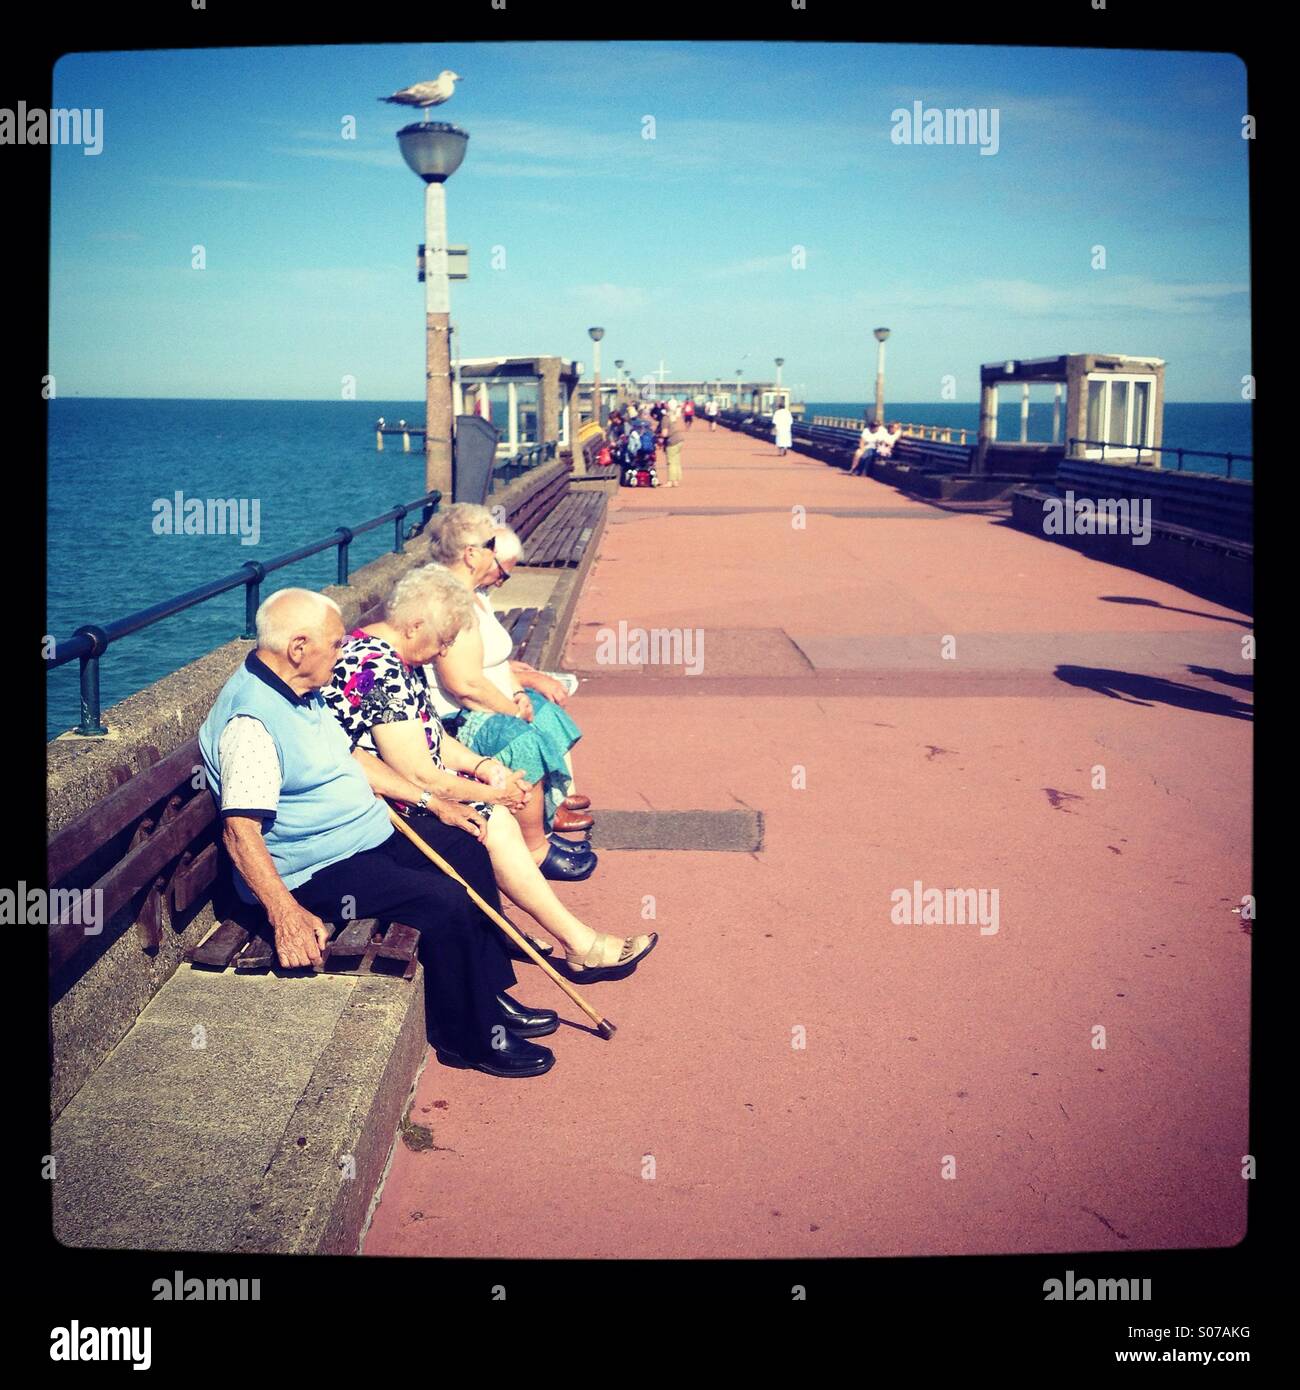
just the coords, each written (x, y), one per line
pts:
(502, 574)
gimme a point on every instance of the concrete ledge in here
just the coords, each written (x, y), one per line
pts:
(272, 1136)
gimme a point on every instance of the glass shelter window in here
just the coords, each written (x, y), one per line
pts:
(1119, 413)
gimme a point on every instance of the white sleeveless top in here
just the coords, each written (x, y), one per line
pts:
(497, 651)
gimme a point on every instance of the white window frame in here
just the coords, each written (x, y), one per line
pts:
(1116, 450)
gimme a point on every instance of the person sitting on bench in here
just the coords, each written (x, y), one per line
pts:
(872, 436)
(380, 697)
(311, 841)
(483, 705)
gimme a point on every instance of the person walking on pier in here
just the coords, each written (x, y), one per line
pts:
(673, 434)
(782, 426)
(688, 411)
(711, 413)
(311, 841)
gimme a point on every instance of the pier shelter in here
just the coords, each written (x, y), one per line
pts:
(528, 399)
(1105, 405)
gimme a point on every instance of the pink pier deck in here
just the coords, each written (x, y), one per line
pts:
(924, 1043)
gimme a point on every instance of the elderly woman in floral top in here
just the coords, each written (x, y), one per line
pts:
(380, 697)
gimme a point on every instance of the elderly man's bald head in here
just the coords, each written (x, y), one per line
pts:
(294, 613)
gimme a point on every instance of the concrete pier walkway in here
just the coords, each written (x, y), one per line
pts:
(951, 1094)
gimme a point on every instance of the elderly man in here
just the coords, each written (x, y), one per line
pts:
(310, 840)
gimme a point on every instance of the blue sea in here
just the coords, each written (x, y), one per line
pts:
(310, 466)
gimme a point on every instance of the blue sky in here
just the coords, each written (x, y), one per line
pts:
(680, 246)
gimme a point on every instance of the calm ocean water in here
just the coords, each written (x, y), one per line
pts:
(310, 466)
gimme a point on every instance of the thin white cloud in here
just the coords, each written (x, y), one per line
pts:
(612, 299)
(1033, 299)
(217, 185)
(755, 265)
(345, 150)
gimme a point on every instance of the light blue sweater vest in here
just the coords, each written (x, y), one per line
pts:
(326, 810)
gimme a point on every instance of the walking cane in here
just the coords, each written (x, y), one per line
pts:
(603, 1026)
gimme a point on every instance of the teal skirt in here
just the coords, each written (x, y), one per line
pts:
(537, 749)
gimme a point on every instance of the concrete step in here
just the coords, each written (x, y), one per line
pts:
(242, 1113)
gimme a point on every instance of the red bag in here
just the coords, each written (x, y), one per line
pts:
(604, 458)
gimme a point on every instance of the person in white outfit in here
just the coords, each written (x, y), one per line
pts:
(782, 426)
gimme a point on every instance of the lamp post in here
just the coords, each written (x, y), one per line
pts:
(597, 414)
(738, 388)
(434, 151)
(881, 335)
(618, 367)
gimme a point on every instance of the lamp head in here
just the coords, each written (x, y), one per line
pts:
(596, 334)
(433, 149)
(881, 334)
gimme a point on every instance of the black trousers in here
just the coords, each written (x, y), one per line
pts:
(461, 949)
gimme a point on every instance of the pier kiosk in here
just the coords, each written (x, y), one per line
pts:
(528, 399)
(1105, 405)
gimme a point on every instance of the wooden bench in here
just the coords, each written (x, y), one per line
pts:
(531, 505)
(152, 848)
(529, 629)
(932, 453)
(1180, 501)
(590, 454)
(1027, 507)
(363, 947)
(561, 538)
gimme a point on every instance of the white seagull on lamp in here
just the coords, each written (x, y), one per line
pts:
(427, 94)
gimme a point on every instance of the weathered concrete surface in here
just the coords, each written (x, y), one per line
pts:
(272, 1135)
(923, 1041)
(739, 831)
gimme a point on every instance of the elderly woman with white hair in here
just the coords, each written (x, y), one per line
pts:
(515, 716)
(380, 696)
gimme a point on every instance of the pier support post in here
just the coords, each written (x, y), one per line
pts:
(1024, 412)
(988, 427)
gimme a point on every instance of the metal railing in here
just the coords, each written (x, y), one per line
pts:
(938, 434)
(521, 461)
(91, 641)
(1137, 450)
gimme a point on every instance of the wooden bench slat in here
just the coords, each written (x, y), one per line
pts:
(220, 947)
(258, 955)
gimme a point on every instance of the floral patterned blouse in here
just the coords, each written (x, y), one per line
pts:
(372, 685)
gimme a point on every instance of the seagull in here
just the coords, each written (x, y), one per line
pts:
(427, 94)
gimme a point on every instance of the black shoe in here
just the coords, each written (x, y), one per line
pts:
(524, 1022)
(562, 864)
(543, 949)
(516, 1057)
(579, 847)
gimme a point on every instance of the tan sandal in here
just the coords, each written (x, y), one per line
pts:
(593, 966)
